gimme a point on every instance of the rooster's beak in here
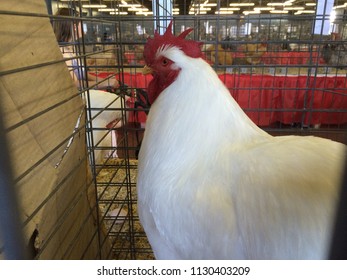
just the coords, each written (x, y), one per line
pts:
(147, 70)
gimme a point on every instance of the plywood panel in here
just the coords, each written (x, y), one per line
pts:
(41, 110)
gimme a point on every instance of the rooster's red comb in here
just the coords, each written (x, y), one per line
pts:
(189, 47)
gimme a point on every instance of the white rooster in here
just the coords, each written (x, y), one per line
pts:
(212, 185)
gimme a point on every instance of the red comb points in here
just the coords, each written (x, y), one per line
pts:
(189, 47)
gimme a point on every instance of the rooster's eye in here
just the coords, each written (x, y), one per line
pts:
(164, 62)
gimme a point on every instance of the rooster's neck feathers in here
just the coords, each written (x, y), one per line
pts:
(191, 80)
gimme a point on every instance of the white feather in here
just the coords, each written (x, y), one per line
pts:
(101, 116)
(212, 185)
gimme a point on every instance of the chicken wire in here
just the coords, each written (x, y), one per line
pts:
(286, 78)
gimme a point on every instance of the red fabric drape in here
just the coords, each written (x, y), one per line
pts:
(268, 99)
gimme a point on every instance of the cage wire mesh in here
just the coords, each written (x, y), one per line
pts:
(286, 69)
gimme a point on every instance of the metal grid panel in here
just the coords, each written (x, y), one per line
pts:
(282, 75)
(102, 53)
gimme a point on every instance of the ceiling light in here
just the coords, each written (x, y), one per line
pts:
(241, 4)
(107, 9)
(279, 12)
(280, 4)
(340, 6)
(129, 5)
(310, 4)
(94, 6)
(118, 13)
(200, 9)
(293, 8)
(229, 9)
(197, 12)
(223, 12)
(304, 12)
(264, 8)
(206, 5)
(142, 10)
(251, 12)
(144, 13)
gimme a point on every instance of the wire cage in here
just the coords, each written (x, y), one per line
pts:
(287, 69)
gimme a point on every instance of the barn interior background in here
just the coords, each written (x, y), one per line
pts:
(74, 156)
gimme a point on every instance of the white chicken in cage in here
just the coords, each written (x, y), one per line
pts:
(105, 117)
(213, 185)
